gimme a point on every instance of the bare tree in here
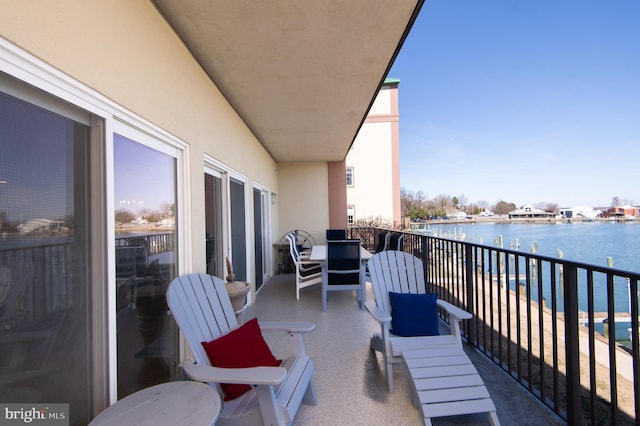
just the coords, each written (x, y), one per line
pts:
(462, 201)
(443, 201)
(548, 207)
(615, 201)
(410, 200)
(502, 207)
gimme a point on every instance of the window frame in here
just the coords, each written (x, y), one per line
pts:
(213, 166)
(349, 172)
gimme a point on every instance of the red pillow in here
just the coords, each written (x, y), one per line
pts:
(240, 348)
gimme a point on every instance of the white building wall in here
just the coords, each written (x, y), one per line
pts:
(382, 104)
(375, 192)
(372, 191)
(302, 198)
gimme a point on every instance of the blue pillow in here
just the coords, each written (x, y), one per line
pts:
(414, 314)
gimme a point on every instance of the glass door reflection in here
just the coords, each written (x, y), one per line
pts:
(146, 259)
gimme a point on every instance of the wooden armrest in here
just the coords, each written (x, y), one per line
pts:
(454, 311)
(252, 376)
(380, 315)
(291, 327)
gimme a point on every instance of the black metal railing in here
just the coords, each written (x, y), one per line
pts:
(154, 243)
(35, 281)
(566, 331)
(37, 278)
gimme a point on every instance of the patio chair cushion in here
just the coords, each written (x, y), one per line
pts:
(414, 314)
(240, 348)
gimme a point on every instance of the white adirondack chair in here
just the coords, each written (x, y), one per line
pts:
(307, 273)
(202, 309)
(444, 380)
(402, 272)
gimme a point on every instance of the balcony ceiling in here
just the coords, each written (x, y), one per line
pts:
(301, 74)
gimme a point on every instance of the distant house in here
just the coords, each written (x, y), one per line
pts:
(528, 211)
(622, 212)
(169, 222)
(580, 212)
(37, 226)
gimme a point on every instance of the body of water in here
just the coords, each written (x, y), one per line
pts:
(590, 242)
(587, 242)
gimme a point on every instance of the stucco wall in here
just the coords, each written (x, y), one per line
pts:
(372, 191)
(382, 104)
(375, 159)
(302, 200)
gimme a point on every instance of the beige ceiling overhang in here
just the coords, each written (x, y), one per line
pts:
(301, 74)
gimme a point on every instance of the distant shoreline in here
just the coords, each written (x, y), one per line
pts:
(504, 219)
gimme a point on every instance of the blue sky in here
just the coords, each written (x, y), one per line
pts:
(522, 101)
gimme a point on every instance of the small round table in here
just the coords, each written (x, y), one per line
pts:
(172, 403)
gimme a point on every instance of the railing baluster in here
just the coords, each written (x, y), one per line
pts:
(484, 304)
(541, 342)
(529, 319)
(574, 409)
(468, 255)
(592, 349)
(612, 349)
(633, 300)
(554, 335)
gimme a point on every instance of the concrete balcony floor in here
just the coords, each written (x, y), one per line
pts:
(349, 377)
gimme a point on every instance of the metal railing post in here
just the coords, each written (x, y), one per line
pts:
(574, 411)
(469, 272)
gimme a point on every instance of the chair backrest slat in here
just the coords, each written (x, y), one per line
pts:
(293, 247)
(201, 307)
(395, 271)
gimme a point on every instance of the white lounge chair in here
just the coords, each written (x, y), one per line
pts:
(202, 309)
(444, 379)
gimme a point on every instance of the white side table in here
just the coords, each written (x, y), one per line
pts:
(170, 404)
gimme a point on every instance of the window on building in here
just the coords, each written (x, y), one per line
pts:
(349, 176)
(351, 215)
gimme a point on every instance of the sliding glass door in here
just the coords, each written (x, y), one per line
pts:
(214, 219)
(47, 339)
(238, 229)
(146, 261)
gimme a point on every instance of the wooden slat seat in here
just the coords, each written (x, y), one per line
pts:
(447, 384)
